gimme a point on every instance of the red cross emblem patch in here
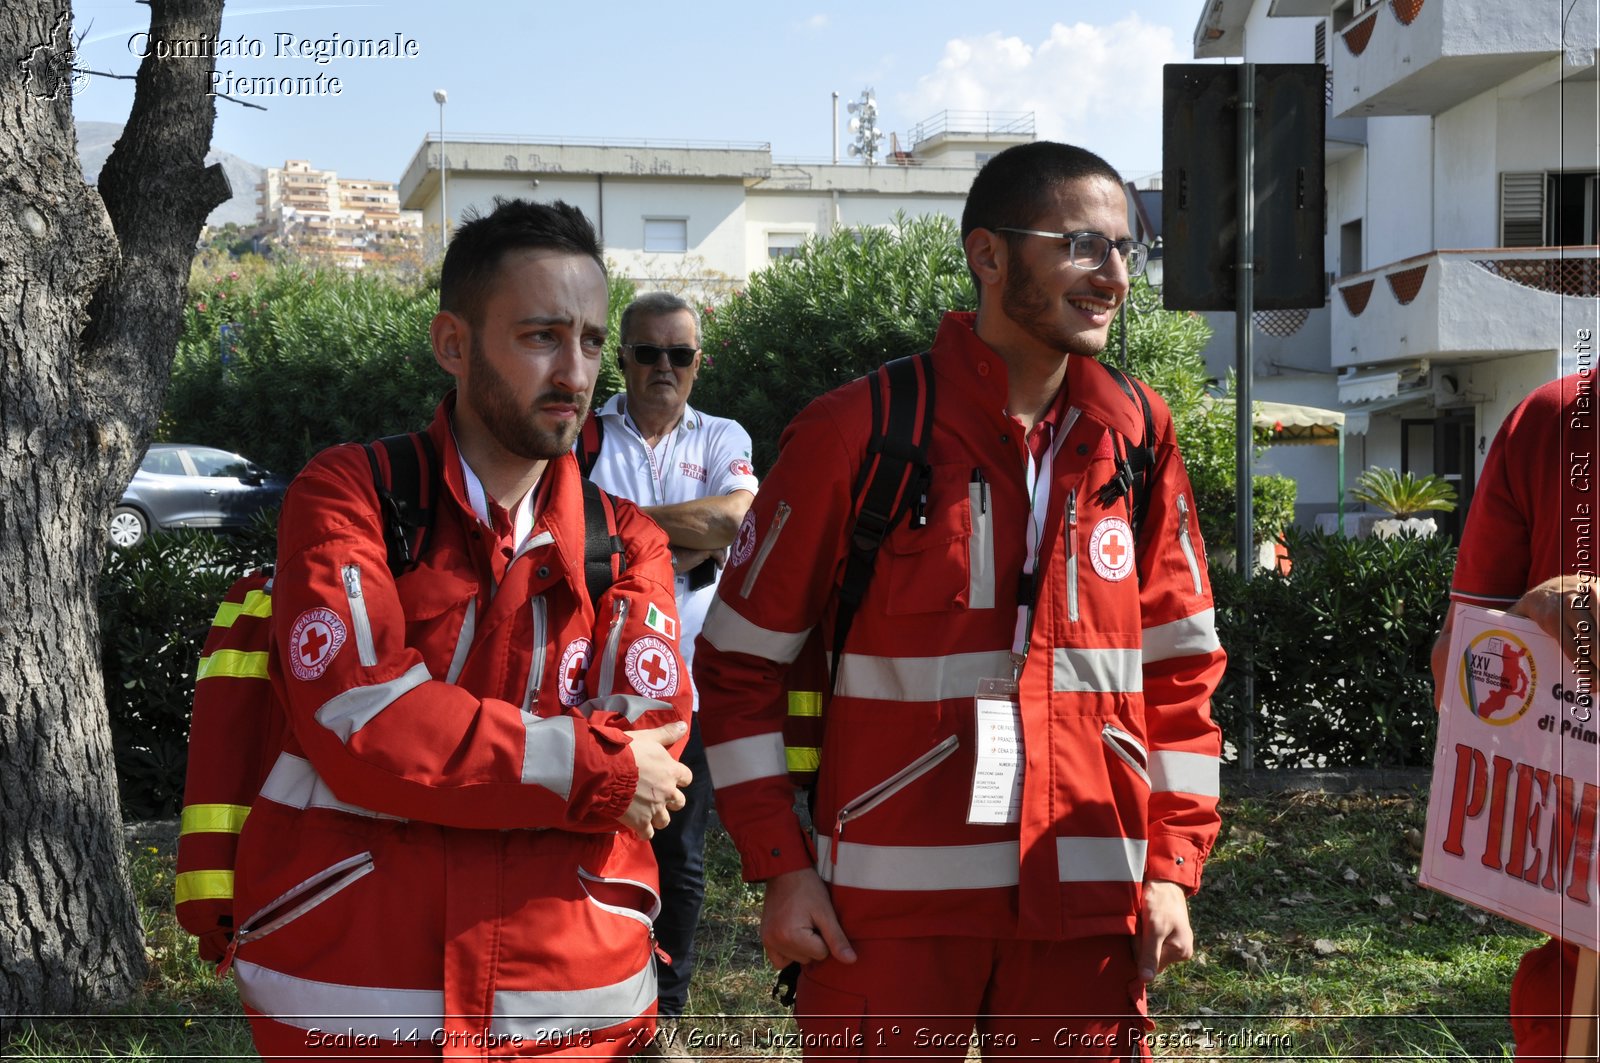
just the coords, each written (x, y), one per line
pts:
(571, 685)
(652, 667)
(744, 543)
(313, 641)
(1111, 549)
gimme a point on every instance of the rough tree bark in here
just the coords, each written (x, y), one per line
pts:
(91, 297)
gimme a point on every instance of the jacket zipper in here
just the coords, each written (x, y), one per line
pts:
(469, 625)
(1072, 555)
(780, 516)
(871, 799)
(1123, 745)
(608, 663)
(536, 668)
(1186, 544)
(300, 899)
(365, 650)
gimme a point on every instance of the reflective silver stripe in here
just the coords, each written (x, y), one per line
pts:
(1191, 636)
(780, 516)
(731, 633)
(1100, 859)
(743, 759)
(632, 706)
(1186, 544)
(1185, 773)
(980, 548)
(544, 538)
(1091, 671)
(647, 918)
(295, 783)
(549, 1014)
(549, 750)
(899, 868)
(541, 613)
(955, 675)
(469, 628)
(347, 713)
(351, 1010)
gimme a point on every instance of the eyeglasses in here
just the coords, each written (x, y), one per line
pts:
(1089, 250)
(650, 354)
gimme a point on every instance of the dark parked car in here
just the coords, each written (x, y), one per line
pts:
(179, 485)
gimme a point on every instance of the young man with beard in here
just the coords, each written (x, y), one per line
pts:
(451, 854)
(1018, 779)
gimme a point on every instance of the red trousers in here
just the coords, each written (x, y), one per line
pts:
(1541, 993)
(931, 998)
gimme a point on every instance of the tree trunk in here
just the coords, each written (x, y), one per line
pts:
(92, 288)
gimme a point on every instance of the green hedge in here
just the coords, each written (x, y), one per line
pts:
(156, 604)
(1341, 647)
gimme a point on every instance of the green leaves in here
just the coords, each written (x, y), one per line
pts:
(1403, 494)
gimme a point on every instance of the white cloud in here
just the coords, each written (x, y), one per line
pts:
(815, 22)
(1097, 86)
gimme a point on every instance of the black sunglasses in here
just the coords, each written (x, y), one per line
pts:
(650, 354)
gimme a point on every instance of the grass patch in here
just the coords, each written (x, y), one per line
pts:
(1313, 939)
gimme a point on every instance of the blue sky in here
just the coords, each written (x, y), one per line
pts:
(620, 70)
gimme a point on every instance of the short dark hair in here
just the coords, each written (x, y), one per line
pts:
(1012, 188)
(482, 241)
(656, 304)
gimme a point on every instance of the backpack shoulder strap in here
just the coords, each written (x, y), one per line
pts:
(590, 437)
(1133, 471)
(894, 478)
(603, 557)
(406, 497)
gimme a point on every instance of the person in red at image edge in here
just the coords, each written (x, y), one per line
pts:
(913, 923)
(1528, 548)
(451, 854)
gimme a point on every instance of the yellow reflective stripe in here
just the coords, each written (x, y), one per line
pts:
(233, 664)
(213, 819)
(257, 603)
(802, 758)
(204, 886)
(805, 703)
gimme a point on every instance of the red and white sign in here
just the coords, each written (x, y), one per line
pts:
(744, 543)
(1512, 817)
(652, 667)
(571, 681)
(313, 642)
(1111, 549)
(741, 467)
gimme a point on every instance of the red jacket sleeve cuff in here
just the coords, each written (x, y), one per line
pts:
(1173, 858)
(778, 847)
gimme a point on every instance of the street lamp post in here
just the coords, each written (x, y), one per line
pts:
(444, 209)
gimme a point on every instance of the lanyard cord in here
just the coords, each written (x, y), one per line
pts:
(1038, 511)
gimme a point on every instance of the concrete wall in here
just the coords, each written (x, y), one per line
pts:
(1399, 195)
(1466, 175)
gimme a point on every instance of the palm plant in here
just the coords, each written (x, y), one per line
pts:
(1403, 494)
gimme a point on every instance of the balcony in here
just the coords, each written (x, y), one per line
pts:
(1464, 305)
(1425, 56)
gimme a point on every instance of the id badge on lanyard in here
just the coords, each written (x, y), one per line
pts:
(997, 774)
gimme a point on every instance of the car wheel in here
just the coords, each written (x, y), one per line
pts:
(128, 527)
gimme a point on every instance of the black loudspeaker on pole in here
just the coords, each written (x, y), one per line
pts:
(1200, 185)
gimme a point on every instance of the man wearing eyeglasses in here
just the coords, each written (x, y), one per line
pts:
(692, 473)
(1019, 772)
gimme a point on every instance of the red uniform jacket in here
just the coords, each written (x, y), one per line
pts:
(436, 850)
(1120, 753)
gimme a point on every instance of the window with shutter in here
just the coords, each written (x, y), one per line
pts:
(1522, 209)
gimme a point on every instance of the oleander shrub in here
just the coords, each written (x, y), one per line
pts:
(1341, 650)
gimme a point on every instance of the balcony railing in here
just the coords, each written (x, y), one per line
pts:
(973, 123)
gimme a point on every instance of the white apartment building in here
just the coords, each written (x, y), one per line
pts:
(1462, 166)
(698, 215)
(351, 221)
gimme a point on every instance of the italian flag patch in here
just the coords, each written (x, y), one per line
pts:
(660, 622)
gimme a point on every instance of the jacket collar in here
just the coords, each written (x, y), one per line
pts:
(959, 353)
(616, 408)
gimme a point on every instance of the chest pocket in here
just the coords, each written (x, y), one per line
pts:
(930, 569)
(440, 610)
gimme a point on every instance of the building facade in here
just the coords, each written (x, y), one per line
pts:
(353, 222)
(1461, 229)
(700, 216)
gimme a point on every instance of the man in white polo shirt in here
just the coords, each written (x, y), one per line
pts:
(692, 473)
